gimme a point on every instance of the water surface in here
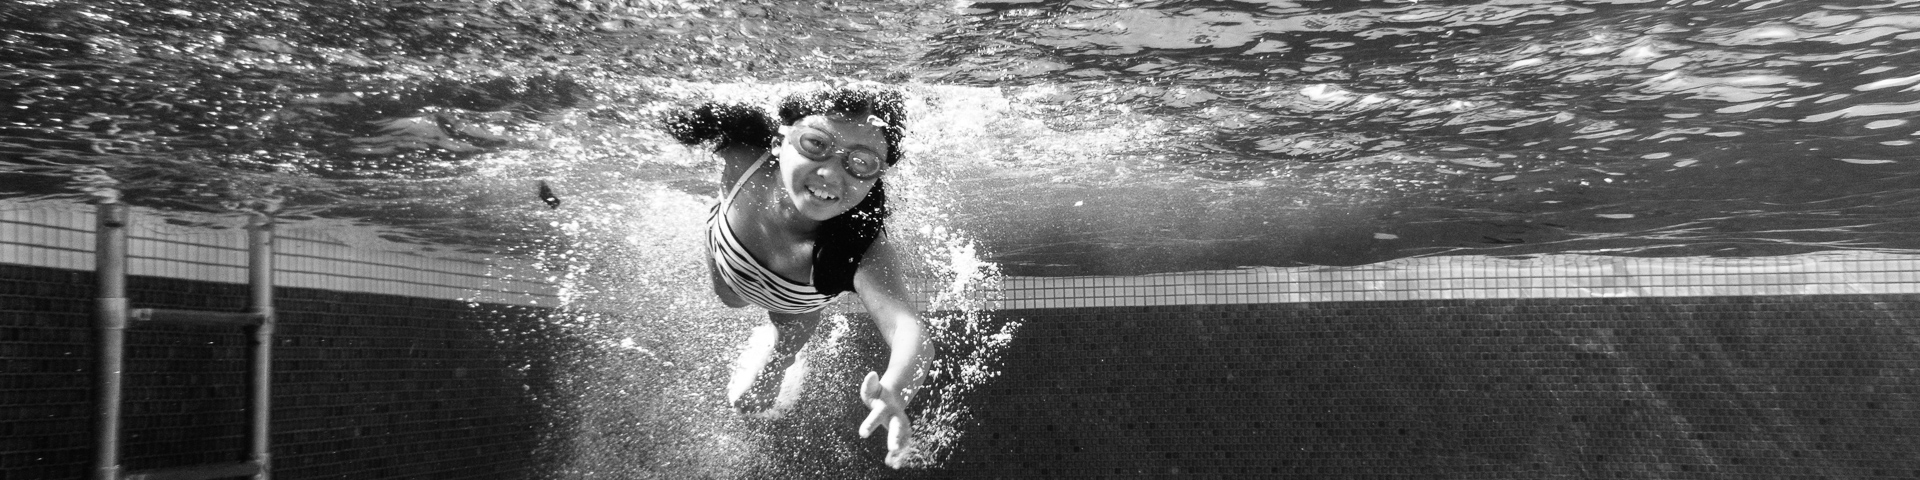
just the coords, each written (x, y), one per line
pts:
(1078, 137)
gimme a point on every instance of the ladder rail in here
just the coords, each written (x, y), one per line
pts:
(110, 331)
(112, 317)
(260, 282)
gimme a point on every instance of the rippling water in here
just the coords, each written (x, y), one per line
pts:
(1348, 132)
(1049, 138)
(1080, 137)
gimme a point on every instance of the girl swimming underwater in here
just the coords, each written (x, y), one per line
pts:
(801, 219)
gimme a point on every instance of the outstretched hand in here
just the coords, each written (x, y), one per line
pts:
(891, 410)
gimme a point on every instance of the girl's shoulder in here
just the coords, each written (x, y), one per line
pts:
(735, 159)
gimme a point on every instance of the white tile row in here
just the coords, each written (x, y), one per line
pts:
(1443, 278)
(60, 235)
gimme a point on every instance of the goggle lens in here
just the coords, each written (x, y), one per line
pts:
(861, 163)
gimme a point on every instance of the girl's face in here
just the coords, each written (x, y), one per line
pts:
(828, 163)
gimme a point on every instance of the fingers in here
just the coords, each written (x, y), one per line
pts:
(885, 408)
(899, 442)
(880, 413)
(899, 459)
(899, 433)
(870, 388)
(872, 394)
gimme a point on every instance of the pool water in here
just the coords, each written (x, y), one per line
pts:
(1048, 139)
(1083, 137)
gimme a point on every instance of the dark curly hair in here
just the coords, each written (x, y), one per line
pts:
(843, 239)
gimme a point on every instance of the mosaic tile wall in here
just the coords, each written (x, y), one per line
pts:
(1733, 387)
(387, 364)
(1446, 367)
(316, 256)
(365, 385)
(307, 255)
(1462, 367)
(1444, 278)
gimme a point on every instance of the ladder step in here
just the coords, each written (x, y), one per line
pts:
(199, 472)
(196, 317)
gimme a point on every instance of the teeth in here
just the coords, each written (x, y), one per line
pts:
(823, 195)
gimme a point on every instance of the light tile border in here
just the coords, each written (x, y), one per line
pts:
(1466, 277)
(60, 235)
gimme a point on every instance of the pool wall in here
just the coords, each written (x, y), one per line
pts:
(407, 366)
(386, 365)
(1461, 367)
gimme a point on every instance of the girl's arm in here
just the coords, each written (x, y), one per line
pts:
(739, 133)
(879, 283)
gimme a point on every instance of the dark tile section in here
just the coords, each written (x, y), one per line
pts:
(365, 386)
(373, 386)
(1716, 387)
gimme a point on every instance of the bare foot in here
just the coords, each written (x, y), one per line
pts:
(758, 373)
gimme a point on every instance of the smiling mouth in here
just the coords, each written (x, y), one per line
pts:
(822, 194)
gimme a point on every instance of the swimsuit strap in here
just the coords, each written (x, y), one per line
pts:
(742, 181)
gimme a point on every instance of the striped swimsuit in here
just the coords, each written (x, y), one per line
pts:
(745, 274)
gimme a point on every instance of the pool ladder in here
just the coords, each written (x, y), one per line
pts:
(112, 317)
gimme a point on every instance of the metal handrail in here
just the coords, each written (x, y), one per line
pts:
(197, 317)
(200, 472)
(112, 317)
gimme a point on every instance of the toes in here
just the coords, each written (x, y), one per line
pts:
(753, 402)
(763, 391)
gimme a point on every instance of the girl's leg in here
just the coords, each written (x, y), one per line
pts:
(762, 366)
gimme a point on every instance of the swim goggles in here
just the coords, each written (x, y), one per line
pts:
(861, 162)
